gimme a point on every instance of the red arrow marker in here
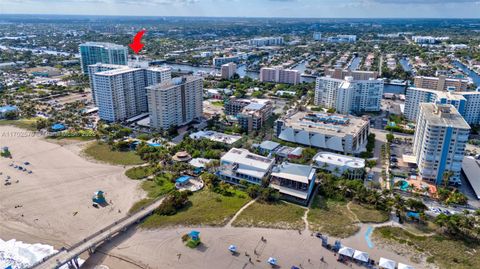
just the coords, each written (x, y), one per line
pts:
(137, 45)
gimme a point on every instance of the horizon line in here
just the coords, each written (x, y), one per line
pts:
(241, 17)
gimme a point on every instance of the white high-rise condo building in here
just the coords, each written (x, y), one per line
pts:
(439, 144)
(279, 75)
(176, 102)
(429, 39)
(342, 39)
(119, 91)
(219, 61)
(266, 41)
(99, 67)
(102, 52)
(349, 95)
(466, 103)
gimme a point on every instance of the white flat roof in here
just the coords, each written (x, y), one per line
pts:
(295, 172)
(245, 158)
(339, 160)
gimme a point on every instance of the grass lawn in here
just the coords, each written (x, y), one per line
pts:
(159, 186)
(366, 213)
(331, 217)
(140, 204)
(206, 208)
(420, 229)
(442, 250)
(217, 103)
(155, 188)
(139, 172)
(279, 215)
(101, 152)
(29, 124)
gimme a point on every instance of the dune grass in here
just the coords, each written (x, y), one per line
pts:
(205, 208)
(444, 251)
(101, 152)
(278, 215)
(331, 217)
(366, 213)
(139, 172)
(160, 185)
(28, 124)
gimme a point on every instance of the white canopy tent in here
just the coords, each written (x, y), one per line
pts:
(361, 256)
(404, 266)
(346, 251)
(386, 263)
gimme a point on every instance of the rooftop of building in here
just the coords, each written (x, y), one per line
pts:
(254, 106)
(443, 115)
(295, 172)
(216, 136)
(118, 71)
(159, 68)
(103, 44)
(339, 160)
(329, 124)
(269, 145)
(471, 169)
(174, 82)
(245, 157)
(111, 66)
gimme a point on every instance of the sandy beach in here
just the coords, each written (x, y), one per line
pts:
(53, 204)
(160, 249)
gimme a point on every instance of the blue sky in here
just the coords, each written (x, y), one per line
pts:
(252, 8)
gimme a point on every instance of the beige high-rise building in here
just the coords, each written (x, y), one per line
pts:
(228, 70)
(339, 73)
(441, 83)
(176, 102)
(279, 75)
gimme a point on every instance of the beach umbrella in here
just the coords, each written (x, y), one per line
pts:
(361, 256)
(232, 248)
(404, 266)
(386, 263)
(346, 251)
(272, 261)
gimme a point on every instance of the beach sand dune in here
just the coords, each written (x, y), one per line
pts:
(53, 205)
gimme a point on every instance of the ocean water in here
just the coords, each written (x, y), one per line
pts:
(20, 255)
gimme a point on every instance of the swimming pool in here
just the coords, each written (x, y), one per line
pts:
(404, 185)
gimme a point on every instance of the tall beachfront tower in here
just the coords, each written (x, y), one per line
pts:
(101, 52)
(120, 91)
(175, 102)
(439, 144)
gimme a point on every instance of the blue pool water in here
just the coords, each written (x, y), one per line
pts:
(404, 185)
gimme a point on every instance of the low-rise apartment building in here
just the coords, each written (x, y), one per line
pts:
(240, 164)
(294, 182)
(340, 165)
